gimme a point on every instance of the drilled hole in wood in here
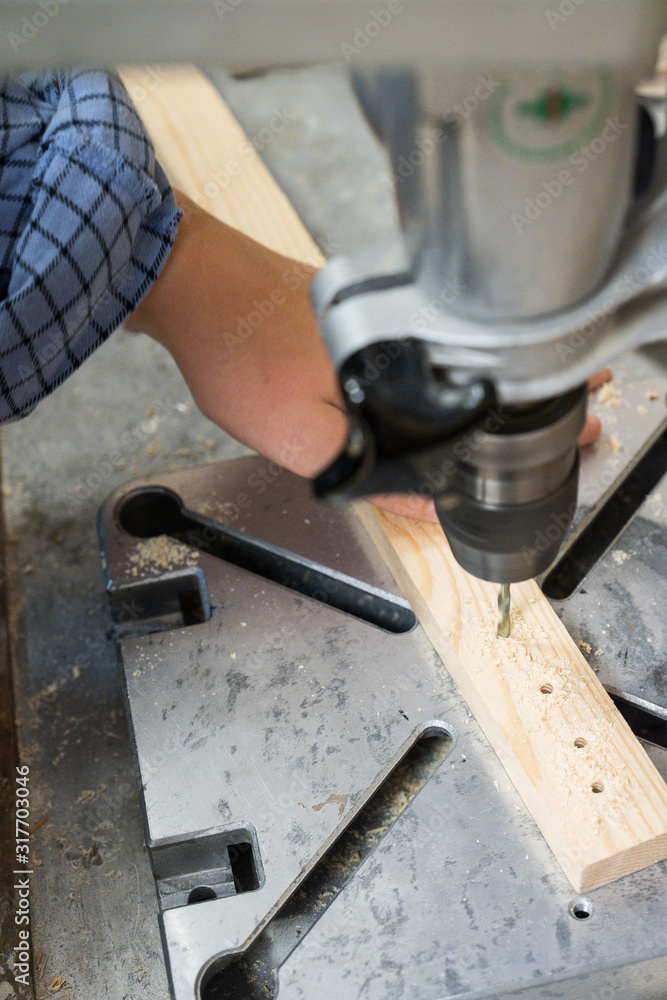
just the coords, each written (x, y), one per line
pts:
(580, 743)
(547, 689)
(597, 786)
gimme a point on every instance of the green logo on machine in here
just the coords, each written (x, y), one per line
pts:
(554, 104)
(547, 121)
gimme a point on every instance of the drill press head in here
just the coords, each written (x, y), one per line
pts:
(531, 205)
(504, 479)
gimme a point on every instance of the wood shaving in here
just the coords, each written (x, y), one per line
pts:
(41, 962)
(652, 394)
(49, 690)
(36, 826)
(611, 444)
(609, 395)
(587, 648)
(619, 556)
(159, 554)
(642, 410)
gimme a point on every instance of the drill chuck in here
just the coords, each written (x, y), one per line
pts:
(513, 496)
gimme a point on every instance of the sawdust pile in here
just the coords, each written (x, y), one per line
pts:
(155, 555)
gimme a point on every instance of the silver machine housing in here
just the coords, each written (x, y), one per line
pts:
(534, 219)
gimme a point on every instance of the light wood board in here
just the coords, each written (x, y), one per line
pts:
(597, 798)
(208, 156)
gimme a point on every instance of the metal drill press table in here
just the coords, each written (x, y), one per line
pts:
(274, 681)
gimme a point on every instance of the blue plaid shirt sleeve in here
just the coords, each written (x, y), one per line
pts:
(87, 219)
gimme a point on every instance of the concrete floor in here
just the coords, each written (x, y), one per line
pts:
(328, 161)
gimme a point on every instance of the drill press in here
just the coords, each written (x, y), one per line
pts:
(534, 221)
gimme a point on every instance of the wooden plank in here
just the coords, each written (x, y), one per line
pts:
(597, 798)
(587, 781)
(207, 155)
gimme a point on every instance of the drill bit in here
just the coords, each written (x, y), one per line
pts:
(504, 608)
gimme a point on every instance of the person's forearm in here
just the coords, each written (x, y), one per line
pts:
(237, 319)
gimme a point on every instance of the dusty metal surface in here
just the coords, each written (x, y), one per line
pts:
(616, 610)
(274, 720)
(633, 413)
(618, 613)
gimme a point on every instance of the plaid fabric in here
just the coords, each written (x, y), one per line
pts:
(87, 219)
